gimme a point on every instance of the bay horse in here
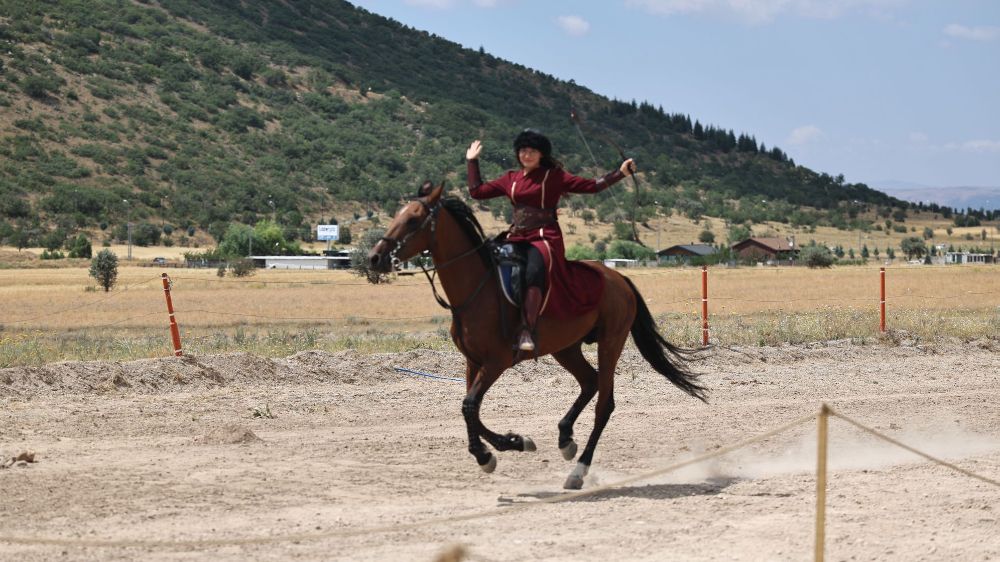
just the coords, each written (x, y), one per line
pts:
(483, 324)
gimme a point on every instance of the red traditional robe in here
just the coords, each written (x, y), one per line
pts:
(573, 288)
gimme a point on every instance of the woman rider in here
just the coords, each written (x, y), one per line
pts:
(535, 190)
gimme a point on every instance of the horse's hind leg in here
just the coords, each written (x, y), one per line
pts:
(572, 360)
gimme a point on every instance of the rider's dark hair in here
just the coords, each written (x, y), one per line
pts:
(530, 138)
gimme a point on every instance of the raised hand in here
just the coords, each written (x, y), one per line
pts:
(474, 150)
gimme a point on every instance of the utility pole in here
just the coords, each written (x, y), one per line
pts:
(128, 226)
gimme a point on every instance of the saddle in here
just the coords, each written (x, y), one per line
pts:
(510, 263)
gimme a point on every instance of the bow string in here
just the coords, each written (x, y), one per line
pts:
(575, 118)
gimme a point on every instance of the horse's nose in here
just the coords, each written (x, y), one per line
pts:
(373, 259)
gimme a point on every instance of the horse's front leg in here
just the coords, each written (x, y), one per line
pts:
(572, 360)
(608, 353)
(479, 382)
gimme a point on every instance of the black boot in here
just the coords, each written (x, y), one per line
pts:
(532, 306)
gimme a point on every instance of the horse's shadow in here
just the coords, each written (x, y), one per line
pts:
(711, 487)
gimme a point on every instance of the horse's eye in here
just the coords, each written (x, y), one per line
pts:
(412, 222)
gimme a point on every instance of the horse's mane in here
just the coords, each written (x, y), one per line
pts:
(467, 221)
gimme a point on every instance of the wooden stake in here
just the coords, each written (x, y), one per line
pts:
(824, 415)
(174, 332)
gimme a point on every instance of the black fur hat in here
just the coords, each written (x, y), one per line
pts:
(530, 138)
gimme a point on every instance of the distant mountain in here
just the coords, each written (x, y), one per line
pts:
(958, 197)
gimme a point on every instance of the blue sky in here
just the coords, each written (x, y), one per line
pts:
(882, 91)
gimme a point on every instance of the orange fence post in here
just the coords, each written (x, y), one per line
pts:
(704, 305)
(174, 333)
(881, 305)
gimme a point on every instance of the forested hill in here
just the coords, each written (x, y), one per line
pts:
(201, 113)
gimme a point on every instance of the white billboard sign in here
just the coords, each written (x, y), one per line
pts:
(328, 232)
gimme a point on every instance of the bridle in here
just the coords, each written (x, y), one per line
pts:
(431, 219)
(395, 244)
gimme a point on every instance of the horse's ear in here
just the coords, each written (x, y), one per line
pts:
(434, 193)
(425, 189)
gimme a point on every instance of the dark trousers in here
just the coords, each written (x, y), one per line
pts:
(534, 273)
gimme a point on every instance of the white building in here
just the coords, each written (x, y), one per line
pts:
(620, 262)
(966, 257)
(303, 262)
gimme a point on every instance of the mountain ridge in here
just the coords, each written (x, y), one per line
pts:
(957, 197)
(203, 114)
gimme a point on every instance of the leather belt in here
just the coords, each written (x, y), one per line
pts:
(530, 218)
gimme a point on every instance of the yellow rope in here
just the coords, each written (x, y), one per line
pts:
(914, 451)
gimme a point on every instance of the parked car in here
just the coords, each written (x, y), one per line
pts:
(159, 261)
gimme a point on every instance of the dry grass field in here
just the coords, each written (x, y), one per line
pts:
(59, 314)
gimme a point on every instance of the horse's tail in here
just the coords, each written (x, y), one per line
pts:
(652, 346)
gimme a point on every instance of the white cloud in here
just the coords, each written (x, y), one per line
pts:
(978, 145)
(804, 134)
(573, 25)
(435, 4)
(978, 33)
(764, 11)
(918, 137)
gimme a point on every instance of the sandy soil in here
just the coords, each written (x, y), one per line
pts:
(295, 458)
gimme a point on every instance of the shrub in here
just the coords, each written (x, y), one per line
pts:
(145, 234)
(913, 247)
(80, 247)
(817, 256)
(359, 257)
(53, 255)
(623, 231)
(242, 268)
(580, 252)
(104, 268)
(626, 249)
(39, 87)
(54, 239)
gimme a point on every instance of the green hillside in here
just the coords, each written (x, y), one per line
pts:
(195, 114)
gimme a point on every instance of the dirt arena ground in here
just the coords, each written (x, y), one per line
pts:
(333, 456)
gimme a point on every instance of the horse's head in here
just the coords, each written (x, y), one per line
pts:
(411, 230)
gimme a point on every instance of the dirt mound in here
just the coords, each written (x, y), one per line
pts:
(166, 374)
(230, 434)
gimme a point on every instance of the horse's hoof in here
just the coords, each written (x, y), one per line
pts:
(575, 479)
(529, 445)
(490, 465)
(569, 451)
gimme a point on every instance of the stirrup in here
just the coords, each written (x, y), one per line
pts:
(526, 343)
